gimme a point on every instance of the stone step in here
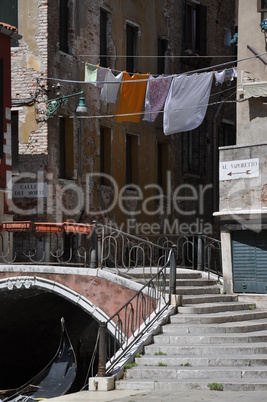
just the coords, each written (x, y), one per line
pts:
(198, 290)
(232, 327)
(222, 317)
(147, 272)
(243, 384)
(194, 282)
(189, 339)
(231, 360)
(213, 298)
(191, 373)
(199, 349)
(206, 308)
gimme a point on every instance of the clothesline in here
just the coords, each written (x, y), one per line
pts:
(233, 62)
(195, 56)
(142, 113)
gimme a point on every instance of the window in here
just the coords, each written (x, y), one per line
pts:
(131, 173)
(195, 28)
(262, 5)
(66, 167)
(64, 26)
(15, 141)
(131, 42)
(162, 49)
(105, 155)
(163, 159)
(103, 39)
(194, 151)
(1, 106)
(227, 134)
(9, 14)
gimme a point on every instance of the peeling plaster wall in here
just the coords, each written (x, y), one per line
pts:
(29, 61)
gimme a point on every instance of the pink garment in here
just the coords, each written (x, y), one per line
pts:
(156, 94)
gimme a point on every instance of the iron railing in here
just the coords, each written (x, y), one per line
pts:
(99, 246)
(124, 329)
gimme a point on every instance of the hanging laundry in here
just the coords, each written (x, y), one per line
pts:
(156, 93)
(186, 103)
(132, 97)
(235, 72)
(90, 73)
(219, 77)
(230, 74)
(110, 89)
(100, 76)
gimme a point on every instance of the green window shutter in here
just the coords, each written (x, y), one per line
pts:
(9, 15)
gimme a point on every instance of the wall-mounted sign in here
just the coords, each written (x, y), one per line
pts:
(29, 190)
(240, 169)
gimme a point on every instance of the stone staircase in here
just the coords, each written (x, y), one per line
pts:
(214, 342)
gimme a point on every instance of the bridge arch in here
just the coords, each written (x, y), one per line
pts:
(29, 282)
(30, 311)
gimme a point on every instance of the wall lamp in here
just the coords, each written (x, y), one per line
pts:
(54, 104)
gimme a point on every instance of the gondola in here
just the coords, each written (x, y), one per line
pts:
(54, 380)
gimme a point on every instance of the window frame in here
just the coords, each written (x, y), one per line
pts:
(131, 160)
(64, 26)
(162, 50)
(131, 46)
(15, 141)
(162, 164)
(195, 41)
(105, 155)
(66, 153)
(103, 38)
(260, 8)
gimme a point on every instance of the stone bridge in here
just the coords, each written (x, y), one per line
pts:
(34, 298)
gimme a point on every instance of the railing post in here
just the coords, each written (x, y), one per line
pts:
(173, 271)
(199, 253)
(99, 247)
(94, 251)
(102, 350)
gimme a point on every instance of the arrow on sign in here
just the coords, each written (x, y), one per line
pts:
(231, 173)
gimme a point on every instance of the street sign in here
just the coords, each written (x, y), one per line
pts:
(29, 190)
(239, 169)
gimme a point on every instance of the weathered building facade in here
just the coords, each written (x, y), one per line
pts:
(102, 166)
(7, 33)
(243, 166)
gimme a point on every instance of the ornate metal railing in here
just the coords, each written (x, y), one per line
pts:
(94, 246)
(118, 334)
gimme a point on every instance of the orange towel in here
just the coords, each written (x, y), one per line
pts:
(132, 97)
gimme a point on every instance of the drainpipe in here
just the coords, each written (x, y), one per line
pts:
(215, 149)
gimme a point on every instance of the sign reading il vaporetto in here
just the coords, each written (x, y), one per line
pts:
(239, 169)
(29, 190)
